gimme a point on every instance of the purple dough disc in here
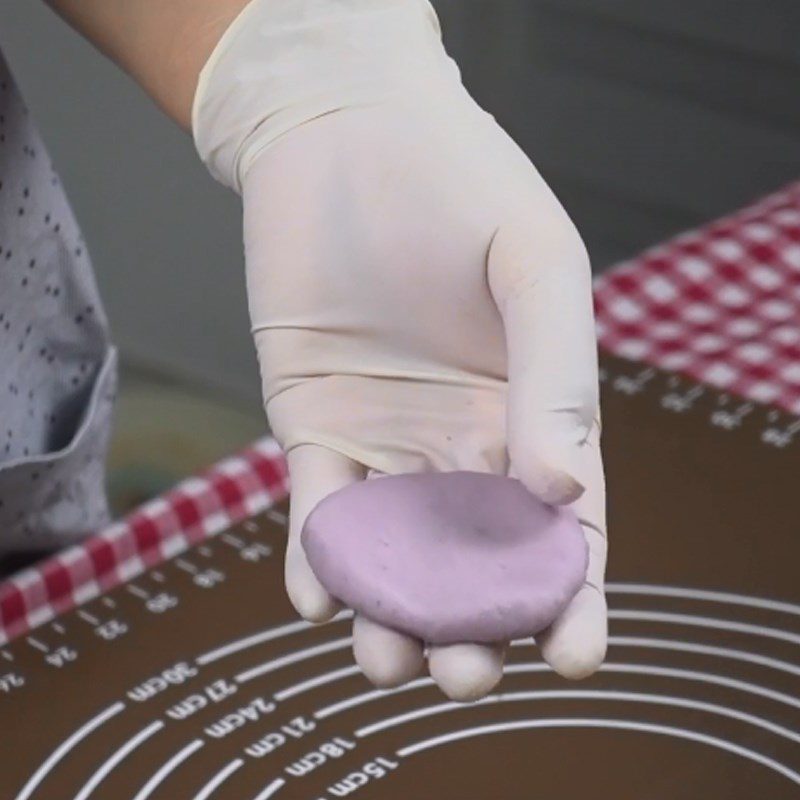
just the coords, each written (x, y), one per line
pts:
(448, 557)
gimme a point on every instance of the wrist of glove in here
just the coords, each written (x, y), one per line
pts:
(282, 64)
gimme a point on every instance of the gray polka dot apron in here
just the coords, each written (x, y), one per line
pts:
(57, 366)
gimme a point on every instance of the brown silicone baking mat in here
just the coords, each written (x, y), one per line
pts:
(196, 681)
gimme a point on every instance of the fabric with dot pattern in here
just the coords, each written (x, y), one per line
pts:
(57, 365)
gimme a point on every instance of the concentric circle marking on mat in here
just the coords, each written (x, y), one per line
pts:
(622, 641)
(702, 649)
(117, 757)
(611, 724)
(271, 789)
(314, 683)
(65, 747)
(587, 694)
(293, 658)
(167, 768)
(612, 588)
(218, 779)
(689, 593)
(268, 635)
(540, 667)
(705, 622)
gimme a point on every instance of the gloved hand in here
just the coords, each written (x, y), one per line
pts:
(419, 298)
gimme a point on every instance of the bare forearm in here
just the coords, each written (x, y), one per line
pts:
(162, 45)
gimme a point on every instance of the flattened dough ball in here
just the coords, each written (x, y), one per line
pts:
(448, 557)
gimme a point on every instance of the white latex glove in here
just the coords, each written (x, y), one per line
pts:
(420, 300)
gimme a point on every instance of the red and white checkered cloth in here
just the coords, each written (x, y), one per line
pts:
(720, 304)
(234, 489)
